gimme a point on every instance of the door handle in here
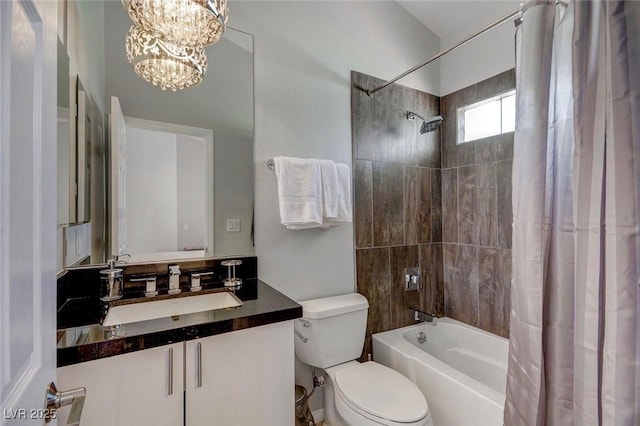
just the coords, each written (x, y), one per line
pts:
(55, 399)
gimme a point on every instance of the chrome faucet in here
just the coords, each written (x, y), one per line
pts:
(195, 280)
(424, 317)
(150, 285)
(174, 279)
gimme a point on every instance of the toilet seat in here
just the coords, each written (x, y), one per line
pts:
(381, 395)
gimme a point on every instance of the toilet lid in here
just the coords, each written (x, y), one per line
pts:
(381, 392)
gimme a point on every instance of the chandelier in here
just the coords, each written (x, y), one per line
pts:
(195, 23)
(165, 64)
(166, 44)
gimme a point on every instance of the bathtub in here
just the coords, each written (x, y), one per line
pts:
(460, 369)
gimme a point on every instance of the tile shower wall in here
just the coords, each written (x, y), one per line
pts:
(476, 215)
(398, 207)
(423, 200)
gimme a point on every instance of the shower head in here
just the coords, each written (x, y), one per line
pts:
(428, 124)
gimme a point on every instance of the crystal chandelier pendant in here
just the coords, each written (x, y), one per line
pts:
(165, 64)
(194, 23)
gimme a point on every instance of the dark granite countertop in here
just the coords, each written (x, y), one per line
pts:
(81, 337)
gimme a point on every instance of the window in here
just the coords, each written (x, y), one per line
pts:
(488, 117)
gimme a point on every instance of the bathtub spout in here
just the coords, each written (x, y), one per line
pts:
(424, 317)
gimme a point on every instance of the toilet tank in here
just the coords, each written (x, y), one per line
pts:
(331, 330)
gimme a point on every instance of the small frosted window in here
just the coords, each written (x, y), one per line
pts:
(509, 113)
(486, 118)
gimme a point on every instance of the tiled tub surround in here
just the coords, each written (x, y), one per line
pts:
(423, 200)
(477, 215)
(81, 337)
(397, 211)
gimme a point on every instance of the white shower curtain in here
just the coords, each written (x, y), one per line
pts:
(575, 319)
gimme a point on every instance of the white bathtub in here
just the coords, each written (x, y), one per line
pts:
(461, 370)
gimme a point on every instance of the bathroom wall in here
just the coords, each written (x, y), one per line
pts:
(486, 56)
(397, 192)
(476, 215)
(304, 54)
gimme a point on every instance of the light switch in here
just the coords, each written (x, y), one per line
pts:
(233, 225)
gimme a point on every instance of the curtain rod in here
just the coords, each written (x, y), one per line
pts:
(478, 33)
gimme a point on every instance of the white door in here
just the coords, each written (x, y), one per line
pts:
(117, 178)
(27, 207)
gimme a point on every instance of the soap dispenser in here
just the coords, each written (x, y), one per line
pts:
(111, 283)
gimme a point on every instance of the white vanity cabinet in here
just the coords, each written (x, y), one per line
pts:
(246, 377)
(129, 389)
(243, 377)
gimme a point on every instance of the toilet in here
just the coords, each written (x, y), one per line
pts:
(330, 335)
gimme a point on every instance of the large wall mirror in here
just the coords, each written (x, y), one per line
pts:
(173, 177)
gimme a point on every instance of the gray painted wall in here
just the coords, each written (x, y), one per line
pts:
(304, 54)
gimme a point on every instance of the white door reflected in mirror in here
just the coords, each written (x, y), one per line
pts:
(164, 191)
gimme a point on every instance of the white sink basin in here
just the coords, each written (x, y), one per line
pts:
(135, 312)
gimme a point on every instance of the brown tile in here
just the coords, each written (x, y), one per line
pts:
(450, 205)
(372, 281)
(467, 205)
(388, 226)
(461, 282)
(454, 154)
(494, 288)
(396, 118)
(363, 204)
(428, 144)
(417, 205)
(366, 349)
(505, 211)
(496, 85)
(494, 148)
(402, 301)
(411, 194)
(424, 205)
(409, 129)
(432, 292)
(437, 254)
(369, 119)
(436, 205)
(487, 209)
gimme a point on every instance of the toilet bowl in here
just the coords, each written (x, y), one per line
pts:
(330, 335)
(372, 394)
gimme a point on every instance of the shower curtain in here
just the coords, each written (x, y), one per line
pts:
(575, 319)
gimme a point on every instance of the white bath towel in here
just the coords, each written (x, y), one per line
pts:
(299, 192)
(345, 211)
(330, 196)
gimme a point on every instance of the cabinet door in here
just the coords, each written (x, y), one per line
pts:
(129, 389)
(247, 378)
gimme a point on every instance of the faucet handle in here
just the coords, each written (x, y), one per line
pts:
(195, 280)
(150, 282)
